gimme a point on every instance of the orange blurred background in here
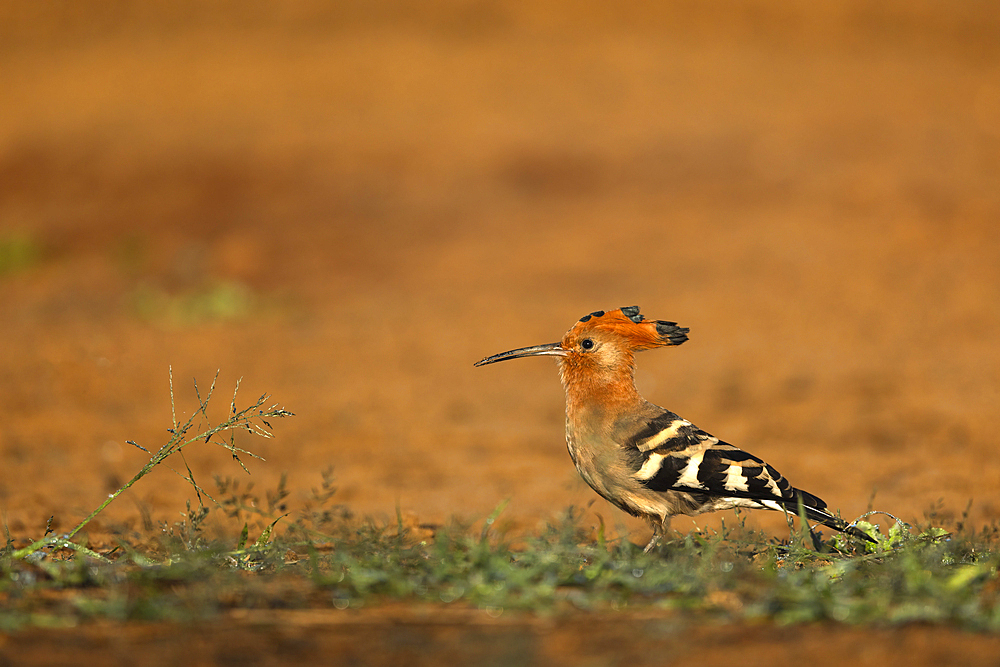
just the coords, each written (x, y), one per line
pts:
(347, 204)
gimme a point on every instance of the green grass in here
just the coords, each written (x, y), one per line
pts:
(18, 252)
(237, 549)
(223, 301)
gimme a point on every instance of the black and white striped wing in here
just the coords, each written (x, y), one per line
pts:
(676, 455)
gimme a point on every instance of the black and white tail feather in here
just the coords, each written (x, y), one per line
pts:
(703, 473)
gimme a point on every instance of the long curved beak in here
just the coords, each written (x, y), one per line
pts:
(552, 349)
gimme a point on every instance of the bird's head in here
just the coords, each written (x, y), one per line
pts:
(603, 341)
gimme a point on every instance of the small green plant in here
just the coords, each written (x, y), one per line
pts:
(252, 419)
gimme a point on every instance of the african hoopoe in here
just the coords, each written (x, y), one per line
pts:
(646, 460)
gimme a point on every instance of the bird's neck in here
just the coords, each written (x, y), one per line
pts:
(596, 395)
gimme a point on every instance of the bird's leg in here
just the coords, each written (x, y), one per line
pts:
(817, 541)
(659, 528)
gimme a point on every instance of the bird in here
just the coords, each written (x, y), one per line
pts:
(644, 459)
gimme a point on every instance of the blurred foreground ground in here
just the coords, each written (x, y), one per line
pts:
(347, 206)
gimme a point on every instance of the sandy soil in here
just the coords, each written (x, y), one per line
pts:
(347, 206)
(394, 638)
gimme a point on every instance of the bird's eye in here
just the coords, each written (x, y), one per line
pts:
(587, 344)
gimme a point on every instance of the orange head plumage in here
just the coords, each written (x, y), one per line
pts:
(603, 343)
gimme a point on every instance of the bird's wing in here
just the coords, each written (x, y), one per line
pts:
(672, 454)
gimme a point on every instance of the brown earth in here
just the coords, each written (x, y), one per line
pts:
(417, 639)
(347, 205)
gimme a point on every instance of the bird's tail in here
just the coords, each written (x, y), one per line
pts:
(815, 510)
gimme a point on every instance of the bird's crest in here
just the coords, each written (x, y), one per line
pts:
(626, 322)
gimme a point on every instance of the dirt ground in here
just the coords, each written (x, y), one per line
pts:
(422, 638)
(347, 205)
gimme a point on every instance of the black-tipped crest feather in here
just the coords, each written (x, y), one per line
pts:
(671, 332)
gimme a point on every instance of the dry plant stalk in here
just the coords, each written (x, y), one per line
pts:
(252, 419)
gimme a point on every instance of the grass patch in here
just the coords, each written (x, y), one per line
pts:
(18, 252)
(321, 556)
(223, 301)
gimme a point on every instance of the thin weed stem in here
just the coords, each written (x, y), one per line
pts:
(237, 420)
